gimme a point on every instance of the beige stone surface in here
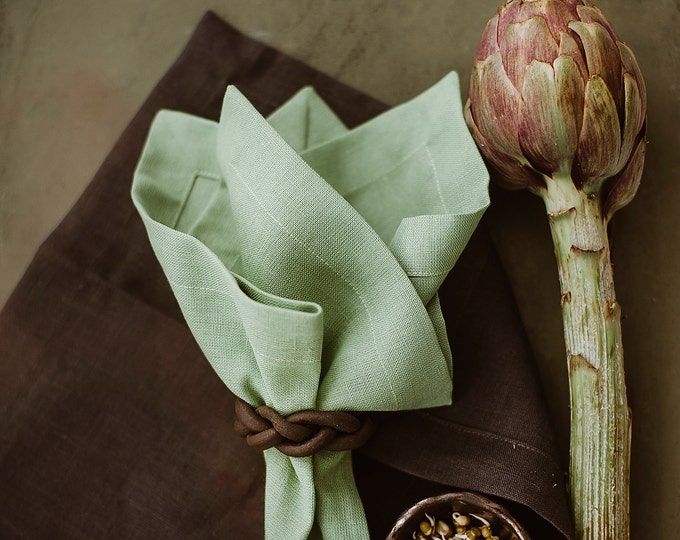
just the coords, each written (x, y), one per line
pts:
(73, 72)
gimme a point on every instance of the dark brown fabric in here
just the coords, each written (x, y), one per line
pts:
(113, 425)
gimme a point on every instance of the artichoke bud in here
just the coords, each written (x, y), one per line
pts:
(554, 91)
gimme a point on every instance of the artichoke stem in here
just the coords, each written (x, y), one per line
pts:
(599, 466)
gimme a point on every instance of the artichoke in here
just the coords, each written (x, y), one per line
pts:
(554, 91)
(557, 104)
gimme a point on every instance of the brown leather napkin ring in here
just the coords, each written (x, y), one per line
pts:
(302, 433)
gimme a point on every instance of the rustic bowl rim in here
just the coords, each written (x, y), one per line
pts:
(467, 497)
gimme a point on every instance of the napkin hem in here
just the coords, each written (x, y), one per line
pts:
(466, 455)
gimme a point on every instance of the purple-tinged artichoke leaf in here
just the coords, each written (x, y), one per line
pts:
(630, 65)
(627, 183)
(508, 13)
(488, 44)
(523, 42)
(557, 14)
(510, 173)
(590, 14)
(569, 47)
(634, 118)
(602, 57)
(495, 105)
(599, 142)
(577, 3)
(548, 140)
(570, 98)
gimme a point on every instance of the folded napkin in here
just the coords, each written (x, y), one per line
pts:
(306, 259)
(113, 425)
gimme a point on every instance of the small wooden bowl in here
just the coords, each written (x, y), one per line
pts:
(441, 507)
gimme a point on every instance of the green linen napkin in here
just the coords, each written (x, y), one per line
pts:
(306, 259)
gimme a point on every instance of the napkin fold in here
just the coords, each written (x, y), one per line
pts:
(293, 267)
(113, 425)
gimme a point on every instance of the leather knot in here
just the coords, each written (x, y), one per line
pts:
(302, 433)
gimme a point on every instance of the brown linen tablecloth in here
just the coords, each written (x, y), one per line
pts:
(113, 425)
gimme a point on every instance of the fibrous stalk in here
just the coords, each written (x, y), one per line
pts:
(600, 419)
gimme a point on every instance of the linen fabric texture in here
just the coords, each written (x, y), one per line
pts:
(113, 425)
(306, 258)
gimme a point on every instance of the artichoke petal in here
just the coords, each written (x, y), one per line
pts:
(508, 13)
(557, 14)
(577, 3)
(630, 65)
(602, 57)
(488, 44)
(495, 105)
(511, 173)
(551, 114)
(627, 183)
(569, 47)
(590, 14)
(599, 142)
(570, 95)
(634, 117)
(523, 42)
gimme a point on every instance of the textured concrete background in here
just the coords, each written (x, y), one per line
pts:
(73, 72)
